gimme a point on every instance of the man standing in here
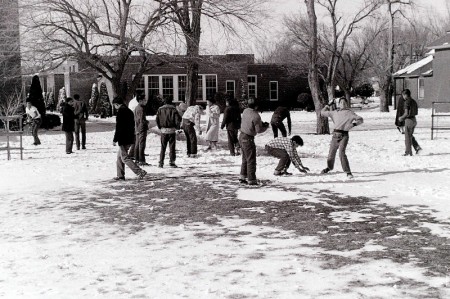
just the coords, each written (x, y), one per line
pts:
(168, 121)
(232, 121)
(68, 125)
(190, 123)
(124, 136)
(409, 117)
(81, 115)
(250, 126)
(286, 150)
(33, 117)
(277, 121)
(141, 128)
(344, 120)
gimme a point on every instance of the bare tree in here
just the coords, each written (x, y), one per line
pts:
(103, 34)
(226, 14)
(336, 37)
(322, 126)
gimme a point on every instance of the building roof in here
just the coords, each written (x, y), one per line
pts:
(441, 43)
(417, 68)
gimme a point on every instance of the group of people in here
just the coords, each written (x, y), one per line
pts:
(132, 129)
(74, 113)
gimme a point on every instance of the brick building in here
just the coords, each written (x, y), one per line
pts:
(235, 75)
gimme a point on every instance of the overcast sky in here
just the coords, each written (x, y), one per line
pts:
(279, 8)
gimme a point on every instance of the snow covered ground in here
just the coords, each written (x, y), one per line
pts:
(68, 231)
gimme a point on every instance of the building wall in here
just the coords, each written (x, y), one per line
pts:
(441, 74)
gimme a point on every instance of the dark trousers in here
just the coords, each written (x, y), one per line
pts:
(278, 125)
(35, 125)
(233, 142)
(191, 137)
(123, 159)
(285, 160)
(80, 124)
(139, 146)
(248, 166)
(338, 141)
(410, 125)
(167, 139)
(69, 141)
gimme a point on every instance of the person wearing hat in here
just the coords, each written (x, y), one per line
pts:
(344, 120)
(34, 118)
(125, 137)
(168, 121)
(191, 123)
(250, 126)
(285, 149)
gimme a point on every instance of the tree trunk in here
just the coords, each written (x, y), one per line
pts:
(192, 81)
(322, 126)
(385, 93)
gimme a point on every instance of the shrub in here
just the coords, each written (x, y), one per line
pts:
(364, 90)
(51, 121)
(305, 102)
(220, 100)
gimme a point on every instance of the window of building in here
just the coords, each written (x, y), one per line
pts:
(421, 85)
(182, 85)
(273, 86)
(167, 87)
(200, 88)
(153, 87)
(210, 86)
(252, 84)
(231, 89)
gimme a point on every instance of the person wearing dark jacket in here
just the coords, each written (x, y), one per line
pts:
(232, 121)
(168, 120)
(277, 121)
(409, 119)
(124, 136)
(68, 125)
(81, 115)
(141, 128)
(250, 126)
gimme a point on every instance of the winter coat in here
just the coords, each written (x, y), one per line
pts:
(212, 124)
(168, 119)
(252, 123)
(231, 118)
(81, 111)
(68, 118)
(124, 134)
(400, 112)
(140, 122)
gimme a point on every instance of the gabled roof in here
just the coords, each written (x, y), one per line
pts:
(441, 43)
(417, 68)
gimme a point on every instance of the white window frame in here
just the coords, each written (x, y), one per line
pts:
(419, 96)
(234, 87)
(252, 84)
(270, 90)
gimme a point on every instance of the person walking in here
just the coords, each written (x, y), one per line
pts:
(141, 128)
(251, 126)
(124, 135)
(344, 120)
(168, 121)
(68, 125)
(81, 115)
(190, 123)
(232, 121)
(276, 122)
(285, 149)
(35, 120)
(400, 111)
(212, 124)
(409, 118)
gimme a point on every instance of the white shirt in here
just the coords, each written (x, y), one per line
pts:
(33, 112)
